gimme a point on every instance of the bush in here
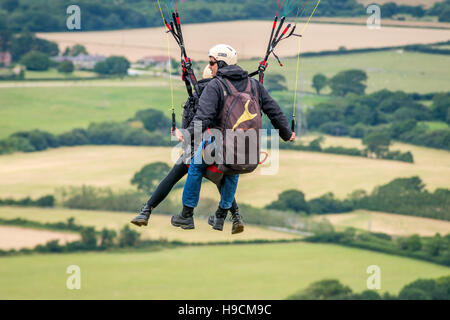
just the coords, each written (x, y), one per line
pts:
(366, 295)
(128, 237)
(46, 201)
(154, 120)
(75, 50)
(91, 198)
(358, 131)
(24, 43)
(350, 81)
(444, 16)
(319, 82)
(328, 204)
(323, 290)
(334, 129)
(407, 196)
(150, 176)
(54, 247)
(76, 137)
(412, 243)
(88, 238)
(137, 137)
(315, 145)
(113, 66)
(346, 151)
(377, 142)
(399, 156)
(421, 289)
(36, 61)
(40, 140)
(275, 82)
(107, 238)
(66, 67)
(106, 133)
(14, 144)
(425, 290)
(290, 200)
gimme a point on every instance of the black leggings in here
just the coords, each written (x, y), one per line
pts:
(178, 171)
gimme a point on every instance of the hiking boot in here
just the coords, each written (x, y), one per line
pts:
(217, 220)
(185, 219)
(238, 225)
(142, 218)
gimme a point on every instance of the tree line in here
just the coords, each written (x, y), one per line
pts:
(332, 289)
(406, 196)
(373, 143)
(386, 114)
(156, 124)
(434, 249)
(50, 16)
(91, 240)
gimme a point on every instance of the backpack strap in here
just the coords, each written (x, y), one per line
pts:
(255, 91)
(225, 85)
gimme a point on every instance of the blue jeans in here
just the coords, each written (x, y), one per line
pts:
(193, 185)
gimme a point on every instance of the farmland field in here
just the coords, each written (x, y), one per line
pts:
(18, 238)
(249, 38)
(271, 271)
(394, 224)
(59, 110)
(39, 173)
(158, 228)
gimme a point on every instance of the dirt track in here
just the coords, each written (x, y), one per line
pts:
(17, 238)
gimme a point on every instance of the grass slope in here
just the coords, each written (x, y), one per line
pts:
(271, 271)
(40, 173)
(393, 70)
(60, 109)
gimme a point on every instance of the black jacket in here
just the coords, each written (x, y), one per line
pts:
(212, 100)
(190, 107)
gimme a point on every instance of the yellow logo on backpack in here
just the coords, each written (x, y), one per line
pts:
(246, 116)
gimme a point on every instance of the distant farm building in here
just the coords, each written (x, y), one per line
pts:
(155, 61)
(81, 61)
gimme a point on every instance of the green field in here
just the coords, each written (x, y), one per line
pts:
(60, 109)
(435, 125)
(271, 271)
(406, 71)
(54, 74)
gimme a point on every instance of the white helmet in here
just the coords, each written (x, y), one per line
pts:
(225, 53)
(207, 73)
